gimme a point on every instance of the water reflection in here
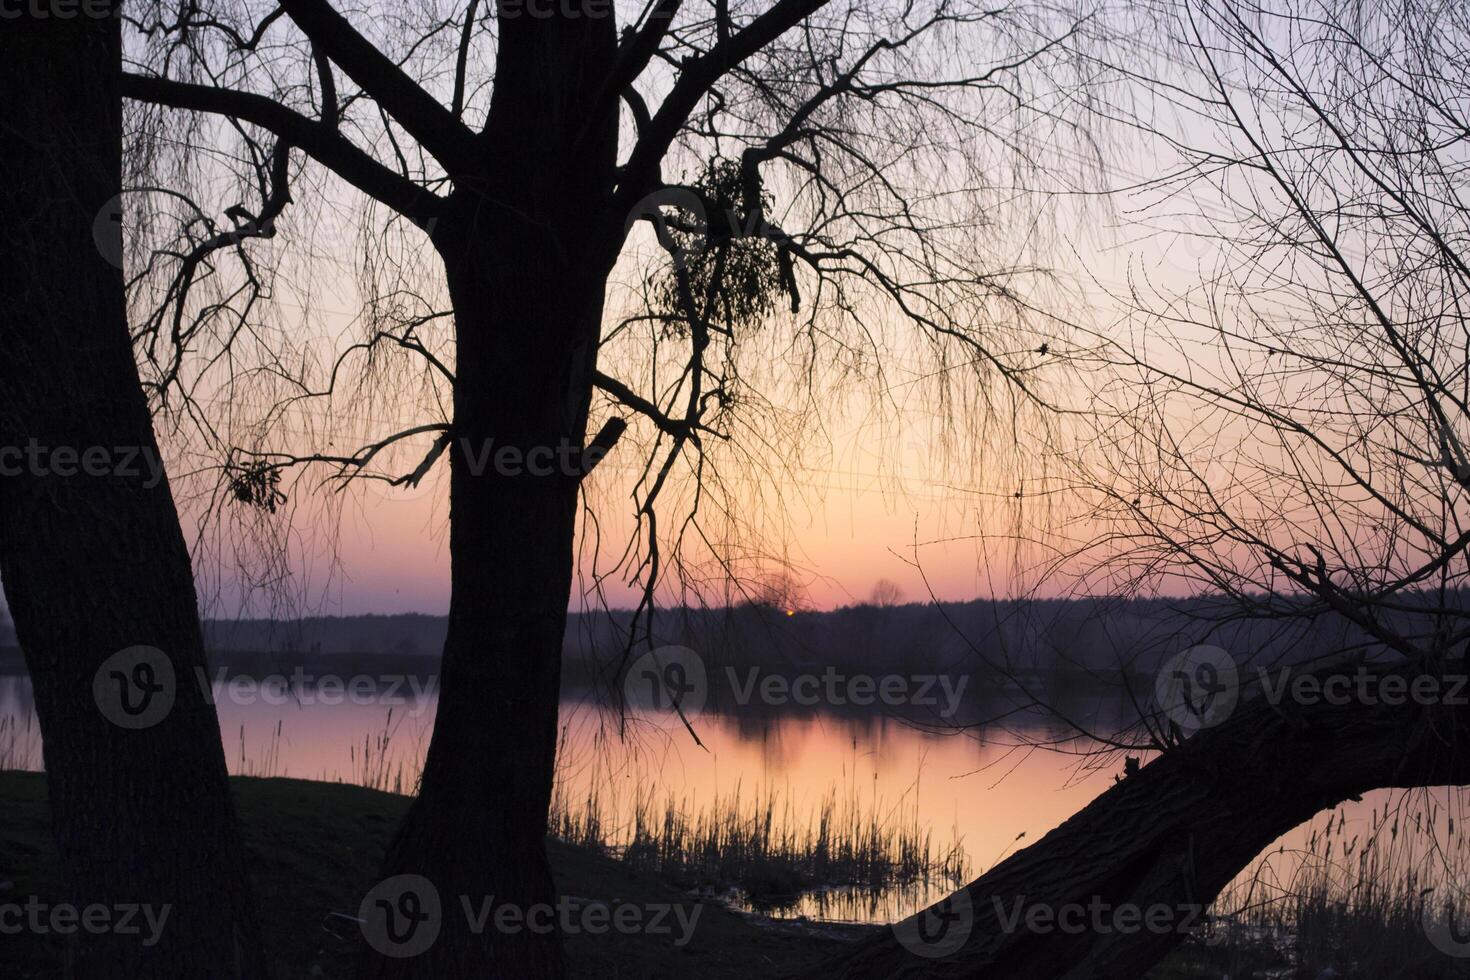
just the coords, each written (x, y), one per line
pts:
(985, 790)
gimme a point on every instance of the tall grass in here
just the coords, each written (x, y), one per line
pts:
(270, 760)
(760, 843)
(377, 766)
(1357, 899)
(20, 742)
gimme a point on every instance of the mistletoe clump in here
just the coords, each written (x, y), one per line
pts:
(732, 267)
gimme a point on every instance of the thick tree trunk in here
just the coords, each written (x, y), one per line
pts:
(1168, 837)
(95, 563)
(526, 277)
(477, 829)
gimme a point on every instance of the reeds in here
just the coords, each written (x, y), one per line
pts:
(1359, 898)
(758, 842)
(376, 766)
(20, 742)
(270, 760)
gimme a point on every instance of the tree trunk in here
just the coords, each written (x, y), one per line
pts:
(478, 826)
(95, 563)
(1172, 835)
(526, 276)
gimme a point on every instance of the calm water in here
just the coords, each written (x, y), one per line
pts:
(990, 795)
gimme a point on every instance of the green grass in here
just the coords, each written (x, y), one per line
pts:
(315, 849)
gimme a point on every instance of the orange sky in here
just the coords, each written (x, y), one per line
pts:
(844, 520)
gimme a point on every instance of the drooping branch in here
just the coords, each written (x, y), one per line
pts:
(275, 193)
(353, 467)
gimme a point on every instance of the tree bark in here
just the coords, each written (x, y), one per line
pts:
(1172, 835)
(526, 272)
(96, 564)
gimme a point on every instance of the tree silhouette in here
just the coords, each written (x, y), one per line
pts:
(96, 570)
(1279, 428)
(886, 593)
(839, 207)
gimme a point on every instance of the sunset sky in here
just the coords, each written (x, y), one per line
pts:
(881, 464)
(891, 476)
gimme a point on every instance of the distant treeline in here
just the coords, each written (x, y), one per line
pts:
(990, 639)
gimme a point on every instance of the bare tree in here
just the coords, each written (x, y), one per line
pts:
(846, 169)
(886, 592)
(1278, 426)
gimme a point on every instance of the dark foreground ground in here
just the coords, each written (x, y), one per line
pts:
(316, 848)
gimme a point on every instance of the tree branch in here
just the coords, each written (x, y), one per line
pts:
(456, 107)
(419, 113)
(323, 143)
(625, 396)
(698, 77)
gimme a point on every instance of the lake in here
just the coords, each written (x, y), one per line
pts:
(989, 795)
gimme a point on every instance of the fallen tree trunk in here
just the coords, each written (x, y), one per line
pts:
(1117, 886)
